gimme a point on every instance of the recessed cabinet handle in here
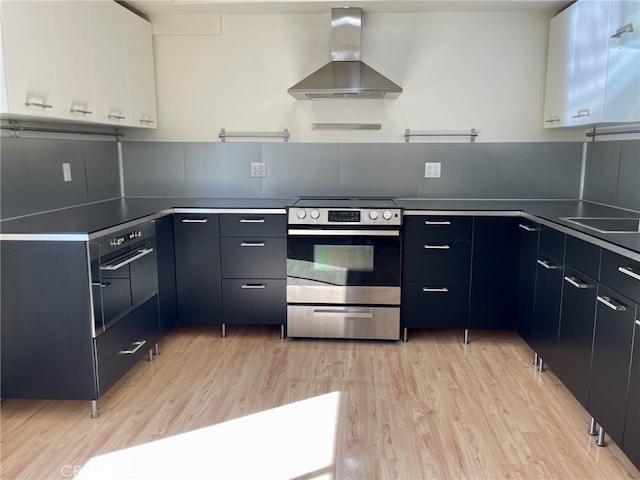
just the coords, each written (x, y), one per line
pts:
(252, 220)
(574, 281)
(609, 303)
(527, 228)
(629, 271)
(583, 112)
(437, 222)
(437, 247)
(35, 103)
(546, 264)
(253, 286)
(435, 290)
(195, 220)
(138, 346)
(628, 28)
(253, 244)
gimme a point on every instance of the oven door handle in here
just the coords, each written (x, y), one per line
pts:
(127, 259)
(344, 233)
(346, 312)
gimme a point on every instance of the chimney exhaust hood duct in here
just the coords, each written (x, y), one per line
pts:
(346, 76)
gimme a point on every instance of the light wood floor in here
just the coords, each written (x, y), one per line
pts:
(429, 408)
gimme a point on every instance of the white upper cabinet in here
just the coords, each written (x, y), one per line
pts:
(140, 71)
(29, 69)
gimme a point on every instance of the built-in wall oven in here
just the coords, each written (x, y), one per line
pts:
(343, 268)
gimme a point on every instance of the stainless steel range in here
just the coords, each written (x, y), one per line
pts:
(343, 268)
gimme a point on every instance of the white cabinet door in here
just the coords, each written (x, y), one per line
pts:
(589, 63)
(74, 71)
(140, 71)
(109, 62)
(29, 59)
(559, 68)
(622, 95)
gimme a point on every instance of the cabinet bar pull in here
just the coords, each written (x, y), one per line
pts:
(254, 286)
(252, 220)
(574, 281)
(435, 290)
(138, 346)
(138, 254)
(607, 301)
(31, 103)
(547, 265)
(526, 228)
(144, 120)
(195, 220)
(553, 119)
(347, 312)
(253, 244)
(629, 271)
(81, 110)
(584, 112)
(437, 247)
(437, 222)
(100, 284)
(117, 117)
(628, 28)
(637, 322)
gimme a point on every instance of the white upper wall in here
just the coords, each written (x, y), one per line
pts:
(459, 70)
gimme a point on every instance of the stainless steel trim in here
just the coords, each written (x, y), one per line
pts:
(140, 253)
(138, 346)
(574, 281)
(242, 211)
(628, 28)
(346, 312)
(342, 233)
(629, 271)
(51, 237)
(195, 220)
(253, 244)
(435, 289)
(463, 213)
(81, 110)
(437, 247)
(253, 286)
(341, 295)
(546, 264)
(252, 220)
(92, 317)
(30, 103)
(527, 228)
(437, 222)
(607, 301)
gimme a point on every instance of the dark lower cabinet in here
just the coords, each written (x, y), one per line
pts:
(612, 344)
(435, 305)
(197, 257)
(526, 278)
(254, 301)
(166, 273)
(631, 442)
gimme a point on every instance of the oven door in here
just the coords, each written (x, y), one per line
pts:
(338, 266)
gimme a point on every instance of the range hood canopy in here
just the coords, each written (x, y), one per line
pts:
(346, 76)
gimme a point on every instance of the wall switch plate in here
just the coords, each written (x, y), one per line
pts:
(66, 172)
(258, 169)
(432, 169)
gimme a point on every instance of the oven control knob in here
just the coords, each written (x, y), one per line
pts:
(301, 214)
(387, 215)
(315, 214)
(373, 214)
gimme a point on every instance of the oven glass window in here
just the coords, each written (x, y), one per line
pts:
(343, 258)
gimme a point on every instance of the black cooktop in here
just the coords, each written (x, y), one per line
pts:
(333, 202)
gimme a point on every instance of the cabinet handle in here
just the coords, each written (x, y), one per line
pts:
(34, 103)
(629, 271)
(437, 222)
(117, 117)
(253, 286)
(144, 120)
(127, 259)
(435, 290)
(584, 112)
(81, 110)
(637, 322)
(437, 247)
(628, 28)
(527, 228)
(253, 244)
(554, 118)
(607, 301)
(100, 284)
(574, 281)
(546, 264)
(252, 220)
(346, 312)
(138, 346)
(195, 220)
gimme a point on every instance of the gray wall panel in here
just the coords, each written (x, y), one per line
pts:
(103, 171)
(629, 183)
(602, 171)
(154, 169)
(14, 174)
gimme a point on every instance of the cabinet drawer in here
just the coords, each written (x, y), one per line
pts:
(552, 242)
(253, 257)
(261, 225)
(435, 305)
(445, 261)
(253, 301)
(582, 256)
(120, 347)
(621, 274)
(437, 227)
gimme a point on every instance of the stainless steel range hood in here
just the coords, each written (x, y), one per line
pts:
(346, 76)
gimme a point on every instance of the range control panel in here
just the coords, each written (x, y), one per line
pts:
(344, 216)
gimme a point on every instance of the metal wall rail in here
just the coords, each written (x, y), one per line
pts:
(594, 133)
(472, 134)
(15, 129)
(223, 135)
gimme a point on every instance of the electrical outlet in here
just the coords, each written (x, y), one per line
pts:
(66, 172)
(258, 169)
(432, 170)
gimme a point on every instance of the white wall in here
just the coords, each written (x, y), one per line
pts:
(458, 70)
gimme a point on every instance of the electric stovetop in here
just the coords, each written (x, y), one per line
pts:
(353, 202)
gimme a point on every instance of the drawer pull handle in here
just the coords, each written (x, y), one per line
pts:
(116, 117)
(136, 346)
(83, 111)
(607, 301)
(253, 286)
(437, 247)
(637, 322)
(547, 265)
(435, 290)
(584, 112)
(253, 244)
(195, 220)
(552, 119)
(527, 228)
(629, 271)
(576, 283)
(36, 103)
(347, 312)
(252, 220)
(147, 121)
(437, 222)
(628, 28)
(100, 284)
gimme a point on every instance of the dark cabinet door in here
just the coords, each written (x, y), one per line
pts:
(254, 301)
(546, 316)
(526, 278)
(435, 305)
(249, 257)
(631, 442)
(615, 315)
(198, 284)
(494, 273)
(575, 338)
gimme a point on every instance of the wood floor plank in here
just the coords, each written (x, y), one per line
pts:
(430, 408)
